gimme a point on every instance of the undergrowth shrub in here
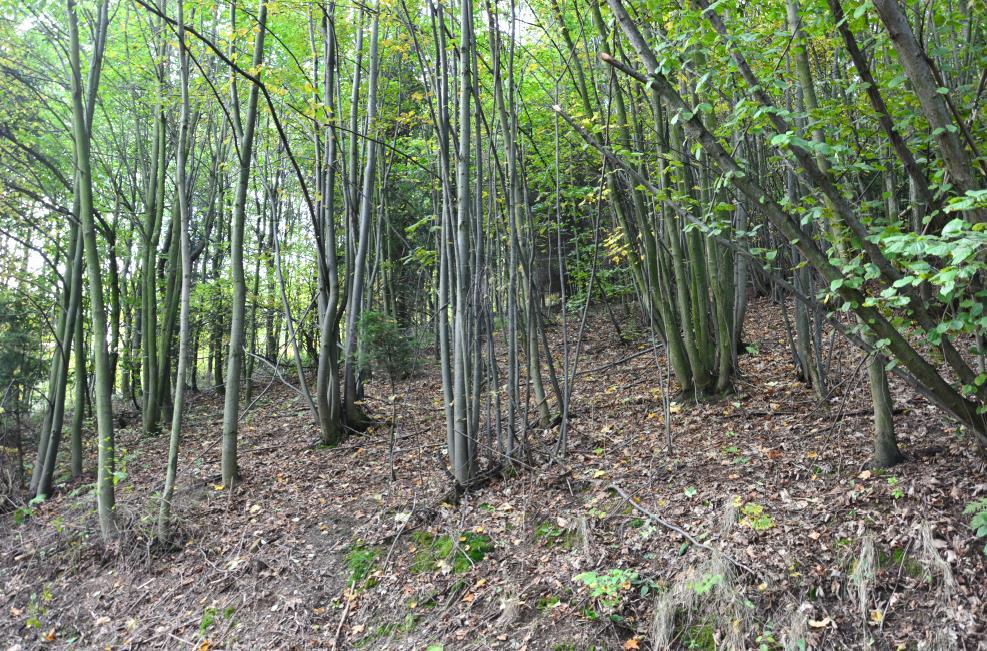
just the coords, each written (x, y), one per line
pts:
(385, 346)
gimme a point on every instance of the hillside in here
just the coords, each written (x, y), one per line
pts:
(763, 526)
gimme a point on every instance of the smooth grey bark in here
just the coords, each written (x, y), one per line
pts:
(75, 433)
(103, 405)
(327, 377)
(354, 416)
(234, 358)
(154, 210)
(164, 512)
(48, 443)
(885, 441)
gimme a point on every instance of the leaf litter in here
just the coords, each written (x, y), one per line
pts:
(766, 528)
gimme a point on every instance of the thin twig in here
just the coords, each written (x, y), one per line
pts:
(668, 525)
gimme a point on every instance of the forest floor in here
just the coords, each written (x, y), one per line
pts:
(790, 535)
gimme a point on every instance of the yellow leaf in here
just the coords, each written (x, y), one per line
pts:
(632, 644)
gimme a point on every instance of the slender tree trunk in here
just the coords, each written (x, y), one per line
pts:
(234, 358)
(354, 416)
(164, 513)
(104, 406)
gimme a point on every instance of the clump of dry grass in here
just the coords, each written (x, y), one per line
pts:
(510, 605)
(938, 639)
(585, 540)
(728, 517)
(933, 561)
(663, 620)
(707, 593)
(863, 575)
(795, 630)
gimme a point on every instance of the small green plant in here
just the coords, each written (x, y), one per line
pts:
(547, 531)
(754, 515)
(36, 607)
(548, 602)
(978, 520)
(445, 553)
(608, 588)
(24, 513)
(705, 584)
(360, 561)
(124, 457)
(207, 619)
(700, 636)
(34, 612)
(388, 630)
(210, 614)
(896, 491)
(899, 559)
(555, 536)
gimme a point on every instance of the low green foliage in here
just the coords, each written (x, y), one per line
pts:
(207, 619)
(385, 631)
(705, 584)
(555, 536)
(24, 513)
(755, 516)
(37, 607)
(361, 561)
(548, 602)
(895, 485)
(978, 520)
(700, 636)
(443, 552)
(608, 588)
(899, 559)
